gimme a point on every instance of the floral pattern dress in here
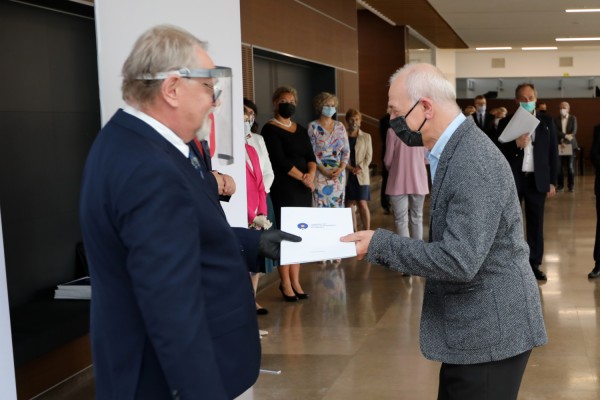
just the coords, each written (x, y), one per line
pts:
(331, 150)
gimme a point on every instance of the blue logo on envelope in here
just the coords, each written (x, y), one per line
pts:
(302, 225)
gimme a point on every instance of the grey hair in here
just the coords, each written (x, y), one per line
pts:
(426, 80)
(159, 49)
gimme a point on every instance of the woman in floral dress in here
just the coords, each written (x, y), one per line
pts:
(332, 151)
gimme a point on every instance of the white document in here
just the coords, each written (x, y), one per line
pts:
(320, 230)
(522, 122)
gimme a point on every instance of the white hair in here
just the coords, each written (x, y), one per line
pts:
(426, 80)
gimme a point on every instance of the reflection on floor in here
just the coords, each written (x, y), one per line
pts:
(357, 335)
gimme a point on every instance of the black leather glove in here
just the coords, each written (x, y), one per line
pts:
(269, 242)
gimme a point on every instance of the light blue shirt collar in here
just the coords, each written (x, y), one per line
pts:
(436, 152)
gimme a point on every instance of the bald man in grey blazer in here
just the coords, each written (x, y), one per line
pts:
(481, 313)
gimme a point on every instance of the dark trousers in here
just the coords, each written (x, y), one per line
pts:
(534, 218)
(566, 162)
(384, 199)
(597, 240)
(496, 380)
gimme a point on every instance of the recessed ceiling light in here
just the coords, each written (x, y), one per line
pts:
(579, 10)
(493, 48)
(580, 39)
(539, 48)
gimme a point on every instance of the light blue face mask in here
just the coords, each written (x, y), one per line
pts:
(528, 106)
(328, 111)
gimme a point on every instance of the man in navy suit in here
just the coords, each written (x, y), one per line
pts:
(534, 163)
(483, 119)
(172, 314)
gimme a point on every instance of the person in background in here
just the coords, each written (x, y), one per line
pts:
(534, 170)
(482, 313)
(358, 187)
(407, 185)
(173, 314)
(482, 118)
(494, 133)
(542, 107)
(595, 158)
(566, 126)
(258, 182)
(332, 152)
(294, 165)
(384, 199)
(469, 111)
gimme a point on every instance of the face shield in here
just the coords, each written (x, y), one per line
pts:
(217, 127)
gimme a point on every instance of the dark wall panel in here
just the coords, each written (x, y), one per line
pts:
(49, 116)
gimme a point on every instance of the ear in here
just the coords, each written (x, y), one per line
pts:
(170, 90)
(427, 105)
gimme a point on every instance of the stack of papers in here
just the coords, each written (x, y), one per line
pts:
(79, 289)
(522, 122)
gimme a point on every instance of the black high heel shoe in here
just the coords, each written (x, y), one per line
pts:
(301, 296)
(286, 297)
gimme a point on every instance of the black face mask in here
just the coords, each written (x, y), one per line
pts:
(286, 110)
(409, 137)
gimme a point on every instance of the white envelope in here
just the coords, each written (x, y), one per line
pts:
(320, 230)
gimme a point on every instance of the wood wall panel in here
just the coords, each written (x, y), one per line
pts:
(293, 28)
(382, 49)
(342, 10)
(347, 92)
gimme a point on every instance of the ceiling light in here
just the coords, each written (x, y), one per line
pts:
(493, 48)
(581, 39)
(584, 10)
(539, 48)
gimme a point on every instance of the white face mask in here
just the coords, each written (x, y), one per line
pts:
(247, 128)
(480, 109)
(564, 112)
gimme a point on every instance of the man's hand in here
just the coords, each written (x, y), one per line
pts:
(362, 240)
(269, 244)
(523, 140)
(551, 192)
(225, 184)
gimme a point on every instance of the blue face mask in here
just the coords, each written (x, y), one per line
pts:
(528, 106)
(328, 111)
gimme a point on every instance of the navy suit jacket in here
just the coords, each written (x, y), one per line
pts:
(172, 311)
(545, 154)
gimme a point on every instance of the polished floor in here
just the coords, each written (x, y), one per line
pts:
(357, 335)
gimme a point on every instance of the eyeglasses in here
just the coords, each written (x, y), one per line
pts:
(217, 72)
(214, 73)
(216, 92)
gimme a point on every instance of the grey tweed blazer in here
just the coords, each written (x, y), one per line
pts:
(481, 300)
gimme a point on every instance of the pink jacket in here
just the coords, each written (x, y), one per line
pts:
(406, 167)
(255, 188)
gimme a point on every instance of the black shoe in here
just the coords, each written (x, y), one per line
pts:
(301, 296)
(262, 311)
(286, 297)
(571, 190)
(595, 273)
(539, 274)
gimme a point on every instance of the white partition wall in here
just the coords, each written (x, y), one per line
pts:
(120, 23)
(8, 389)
